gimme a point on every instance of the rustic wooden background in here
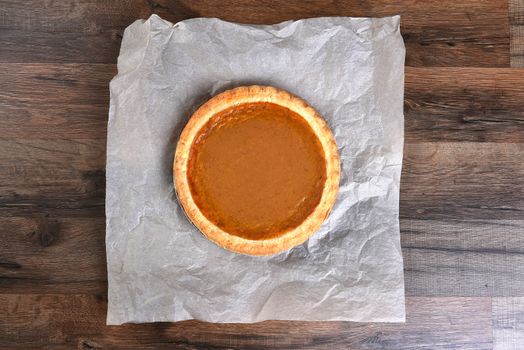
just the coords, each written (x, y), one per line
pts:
(462, 197)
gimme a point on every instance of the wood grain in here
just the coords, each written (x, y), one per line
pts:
(52, 84)
(516, 22)
(49, 101)
(47, 254)
(53, 101)
(508, 323)
(517, 45)
(33, 46)
(53, 158)
(462, 209)
(31, 120)
(441, 258)
(456, 181)
(482, 257)
(464, 104)
(437, 33)
(52, 176)
(463, 250)
(58, 321)
(436, 179)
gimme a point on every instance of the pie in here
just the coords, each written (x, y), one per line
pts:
(256, 170)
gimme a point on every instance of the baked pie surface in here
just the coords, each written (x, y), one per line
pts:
(256, 170)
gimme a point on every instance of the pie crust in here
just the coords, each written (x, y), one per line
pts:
(278, 241)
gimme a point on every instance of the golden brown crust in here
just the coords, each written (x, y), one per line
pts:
(237, 96)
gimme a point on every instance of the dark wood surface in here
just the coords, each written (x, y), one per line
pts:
(462, 190)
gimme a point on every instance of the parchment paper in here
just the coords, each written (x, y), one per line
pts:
(161, 268)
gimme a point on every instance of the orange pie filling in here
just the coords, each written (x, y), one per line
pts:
(256, 170)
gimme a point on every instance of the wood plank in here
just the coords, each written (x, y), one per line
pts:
(457, 258)
(51, 175)
(45, 163)
(516, 22)
(508, 323)
(80, 99)
(95, 15)
(32, 120)
(56, 47)
(441, 258)
(517, 45)
(52, 101)
(52, 84)
(439, 180)
(463, 257)
(464, 104)
(61, 321)
(87, 16)
(516, 11)
(458, 181)
(43, 254)
(441, 104)
(437, 33)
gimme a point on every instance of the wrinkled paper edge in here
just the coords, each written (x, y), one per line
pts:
(131, 57)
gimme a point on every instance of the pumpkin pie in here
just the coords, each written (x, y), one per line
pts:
(256, 170)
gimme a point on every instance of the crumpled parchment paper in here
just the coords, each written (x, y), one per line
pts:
(161, 268)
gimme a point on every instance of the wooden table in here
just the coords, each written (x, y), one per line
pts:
(462, 196)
